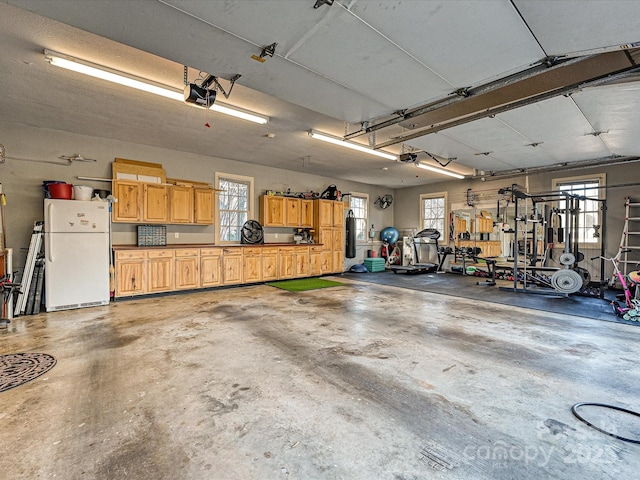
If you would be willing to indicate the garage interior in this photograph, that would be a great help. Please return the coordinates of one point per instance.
(400, 374)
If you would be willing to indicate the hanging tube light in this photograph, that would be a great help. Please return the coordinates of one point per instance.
(132, 81)
(354, 146)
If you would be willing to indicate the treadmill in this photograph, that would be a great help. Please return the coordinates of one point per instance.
(420, 267)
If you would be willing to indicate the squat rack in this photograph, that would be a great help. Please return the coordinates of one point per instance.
(571, 244)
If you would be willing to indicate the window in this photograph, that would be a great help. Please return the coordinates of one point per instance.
(433, 212)
(358, 202)
(235, 206)
(589, 214)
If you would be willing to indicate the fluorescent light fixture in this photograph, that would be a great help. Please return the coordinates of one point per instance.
(121, 78)
(354, 146)
(439, 170)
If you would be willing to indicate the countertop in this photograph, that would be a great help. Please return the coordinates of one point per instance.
(210, 245)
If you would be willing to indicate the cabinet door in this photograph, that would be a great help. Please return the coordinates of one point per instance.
(292, 212)
(338, 262)
(252, 268)
(326, 261)
(160, 274)
(155, 203)
(130, 277)
(302, 261)
(210, 271)
(128, 208)
(187, 272)
(286, 263)
(269, 267)
(325, 237)
(315, 262)
(271, 211)
(323, 213)
(306, 213)
(337, 244)
(204, 205)
(231, 266)
(338, 214)
(181, 204)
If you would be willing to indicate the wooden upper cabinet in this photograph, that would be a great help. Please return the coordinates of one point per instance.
(155, 203)
(272, 211)
(306, 213)
(204, 199)
(324, 213)
(128, 208)
(181, 202)
(292, 212)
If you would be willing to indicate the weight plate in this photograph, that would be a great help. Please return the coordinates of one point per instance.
(566, 281)
(567, 259)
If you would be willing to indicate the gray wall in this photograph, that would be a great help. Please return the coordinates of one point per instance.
(32, 156)
(407, 202)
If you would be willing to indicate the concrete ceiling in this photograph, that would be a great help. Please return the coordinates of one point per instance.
(336, 66)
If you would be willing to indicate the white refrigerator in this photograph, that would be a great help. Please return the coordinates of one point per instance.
(77, 253)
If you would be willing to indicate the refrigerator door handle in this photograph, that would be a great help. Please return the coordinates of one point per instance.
(47, 236)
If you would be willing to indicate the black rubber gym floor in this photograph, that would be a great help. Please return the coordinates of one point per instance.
(466, 286)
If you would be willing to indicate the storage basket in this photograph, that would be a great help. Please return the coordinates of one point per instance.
(152, 235)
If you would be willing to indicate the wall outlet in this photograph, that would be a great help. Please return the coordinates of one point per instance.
(275, 235)
(176, 235)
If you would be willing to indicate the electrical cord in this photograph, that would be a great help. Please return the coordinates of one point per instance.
(574, 410)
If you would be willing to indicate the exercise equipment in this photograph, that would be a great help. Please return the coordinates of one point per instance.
(389, 235)
(411, 262)
(350, 239)
(555, 281)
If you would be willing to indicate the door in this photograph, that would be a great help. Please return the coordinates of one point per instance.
(203, 210)
(210, 268)
(181, 204)
(338, 214)
(155, 203)
(76, 217)
(269, 266)
(160, 270)
(130, 276)
(272, 211)
(76, 270)
(128, 208)
(187, 273)
(306, 213)
(292, 212)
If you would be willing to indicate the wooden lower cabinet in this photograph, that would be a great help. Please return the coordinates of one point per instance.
(231, 266)
(187, 268)
(269, 264)
(160, 270)
(251, 265)
(131, 273)
(302, 261)
(142, 271)
(287, 263)
(315, 260)
(210, 267)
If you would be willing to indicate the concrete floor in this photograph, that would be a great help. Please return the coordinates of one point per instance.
(359, 381)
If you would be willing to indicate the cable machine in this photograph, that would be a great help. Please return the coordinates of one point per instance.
(558, 281)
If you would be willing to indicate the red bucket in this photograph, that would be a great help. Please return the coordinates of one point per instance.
(62, 191)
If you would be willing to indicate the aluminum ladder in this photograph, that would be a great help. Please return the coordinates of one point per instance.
(629, 251)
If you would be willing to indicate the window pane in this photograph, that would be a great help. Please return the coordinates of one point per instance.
(233, 206)
(433, 213)
(358, 206)
(589, 214)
